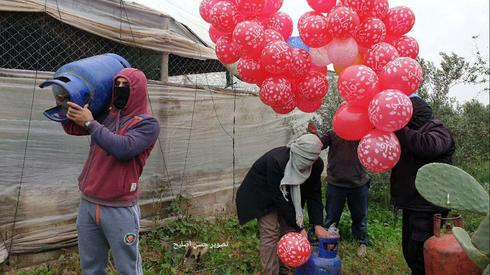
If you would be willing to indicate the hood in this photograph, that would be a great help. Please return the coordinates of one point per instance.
(422, 113)
(138, 92)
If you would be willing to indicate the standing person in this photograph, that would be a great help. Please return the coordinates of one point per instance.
(424, 140)
(275, 190)
(121, 141)
(347, 180)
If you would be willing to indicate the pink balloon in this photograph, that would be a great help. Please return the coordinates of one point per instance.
(319, 56)
(379, 151)
(342, 52)
(399, 21)
(390, 110)
(351, 122)
(250, 37)
(370, 32)
(224, 16)
(308, 106)
(205, 9)
(313, 86)
(282, 23)
(251, 8)
(403, 73)
(379, 55)
(284, 109)
(300, 63)
(272, 36)
(406, 46)
(215, 34)
(271, 7)
(313, 31)
(342, 22)
(276, 91)
(251, 71)
(276, 57)
(227, 51)
(321, 5)
(357, 85)
(368, 8)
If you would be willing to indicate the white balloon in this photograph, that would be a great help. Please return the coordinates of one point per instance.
(343, 52)
(319, 56)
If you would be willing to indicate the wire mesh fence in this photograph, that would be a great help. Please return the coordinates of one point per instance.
(37, 41)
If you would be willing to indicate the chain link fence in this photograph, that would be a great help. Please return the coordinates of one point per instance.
(36, 41)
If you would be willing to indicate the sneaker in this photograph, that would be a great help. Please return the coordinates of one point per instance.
(362, 251)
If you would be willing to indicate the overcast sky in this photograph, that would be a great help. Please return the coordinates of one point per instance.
(440, 26)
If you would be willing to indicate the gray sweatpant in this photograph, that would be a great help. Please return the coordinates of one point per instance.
(116, 228)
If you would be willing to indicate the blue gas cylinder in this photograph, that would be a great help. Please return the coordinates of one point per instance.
(324, 259)
(86, 81)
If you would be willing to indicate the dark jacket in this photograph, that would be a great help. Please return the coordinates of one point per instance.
(432, 142)
(259, 192)
(343, 167)
(121, 141)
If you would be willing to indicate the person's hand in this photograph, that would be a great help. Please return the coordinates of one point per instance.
(321, 232)
(78, 114)
(312, 128)
(304, 233)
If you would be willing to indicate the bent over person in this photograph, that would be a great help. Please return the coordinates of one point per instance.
(121, 141)
(275, 191)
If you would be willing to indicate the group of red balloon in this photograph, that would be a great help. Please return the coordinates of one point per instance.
(253, 33)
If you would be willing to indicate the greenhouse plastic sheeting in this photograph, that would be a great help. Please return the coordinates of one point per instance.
(121, 21)
(39, 163)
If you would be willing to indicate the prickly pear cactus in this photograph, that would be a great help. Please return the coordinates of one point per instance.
(477, 256)
(481, 236)
(450, 187)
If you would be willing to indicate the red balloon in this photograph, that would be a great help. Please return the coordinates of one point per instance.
(321, 69)
(293, 249)
(351, 122)
(399, 21)
(251, 71)
(205, 9)
(251, 8)
(276, 91)
(284, 109)
(342, 22)
(358, 84)
(249, 36)
(224, 16)
(276, 57)
(379, 151)
(404, 74)
(370, 32)
(282, 23)
(303, 17)
(272, 36)
(321, 5)
(390, 110)
(313, 31)
(271, 7)
(263, 21)
(300, 63)
(313, 86)
(406, 46)
(368, 8)
(227, 51)
(379, 55)
(215, 34)
(308, 106)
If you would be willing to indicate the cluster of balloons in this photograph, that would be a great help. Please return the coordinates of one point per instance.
(293, 249)
(367, 43)
(254, 33)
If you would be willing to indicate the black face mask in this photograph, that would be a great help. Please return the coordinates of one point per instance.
(121, 96)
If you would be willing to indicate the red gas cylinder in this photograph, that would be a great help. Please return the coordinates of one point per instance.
(444, 255)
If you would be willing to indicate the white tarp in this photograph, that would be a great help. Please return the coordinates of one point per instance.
(196, 141)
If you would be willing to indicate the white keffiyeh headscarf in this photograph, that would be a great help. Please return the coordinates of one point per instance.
(304, 152)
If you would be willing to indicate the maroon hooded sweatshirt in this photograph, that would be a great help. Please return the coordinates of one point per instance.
(121, 141)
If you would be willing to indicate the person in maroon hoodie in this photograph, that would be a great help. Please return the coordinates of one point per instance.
(121, 141)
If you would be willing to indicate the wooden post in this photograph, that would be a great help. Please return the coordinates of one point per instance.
(165, 56)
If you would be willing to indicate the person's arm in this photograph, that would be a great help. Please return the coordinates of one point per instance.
(125, 147)
(326, 138)
(285, 209)
(72, 128)
(427, 145)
